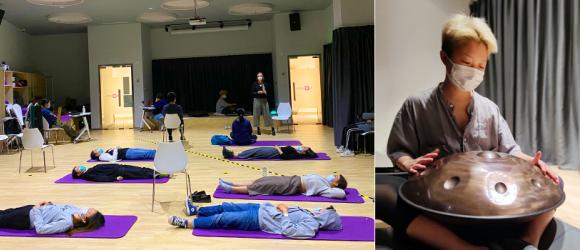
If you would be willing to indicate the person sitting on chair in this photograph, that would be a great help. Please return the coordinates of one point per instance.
(224, 107)
(284, 153)
(173, 108)
(53, 121)
(115, 154)
(242, 130)
(114, 172)
(159, 103)
(290, 221)
(48, 218)
(331, 186)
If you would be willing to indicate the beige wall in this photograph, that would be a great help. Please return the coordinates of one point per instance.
(407, 44)
(347, 13)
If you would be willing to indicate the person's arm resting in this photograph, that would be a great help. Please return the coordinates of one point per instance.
(334, 193)
(305, 229)
(108, 157)
(41, 227)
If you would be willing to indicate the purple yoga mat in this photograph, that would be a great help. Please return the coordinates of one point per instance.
(352, 196)
(321, 157)
(354, 228)
(142, 160)
(67, 179)
(116, 226)
(272, 143)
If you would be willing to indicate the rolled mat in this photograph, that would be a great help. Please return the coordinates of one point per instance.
(272, 143)
(67, 179)
(140, 160)
(354, 228)
(352, 196)
(320, 157)
(116, 226)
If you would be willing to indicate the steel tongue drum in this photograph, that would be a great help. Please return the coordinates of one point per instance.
(482, 186)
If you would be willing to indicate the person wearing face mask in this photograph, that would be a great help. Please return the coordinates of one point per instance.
(114, 172)
(222, 106)
(48, 218)
(52, 120)
(291, 221)
(261, 108)
(284, 153)
(115, 154)
(448, 119)
(331, 186)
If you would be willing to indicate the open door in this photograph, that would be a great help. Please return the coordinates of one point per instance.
(116, 83)
(305, 89)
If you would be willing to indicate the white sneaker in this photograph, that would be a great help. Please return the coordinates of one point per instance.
(347, 153)
(340, 149)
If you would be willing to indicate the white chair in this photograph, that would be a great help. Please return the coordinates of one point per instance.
(3, 143)
(171, 121)
(284, 113)
(15, 138)
(48, 131)
(170, 158)
(32, 140)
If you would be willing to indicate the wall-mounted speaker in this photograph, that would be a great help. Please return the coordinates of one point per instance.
(294, 21)
(1, 15)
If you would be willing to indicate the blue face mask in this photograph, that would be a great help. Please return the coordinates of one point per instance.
(100, 151)
(317, 210)
(330, 178)
(82, 168)
(299, 148)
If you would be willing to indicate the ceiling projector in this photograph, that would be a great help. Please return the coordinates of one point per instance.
(197, 21)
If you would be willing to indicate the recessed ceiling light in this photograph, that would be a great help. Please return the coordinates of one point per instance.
(250, 9)
(183, 4)
(56, 3)
(156, 17)
(70, 18)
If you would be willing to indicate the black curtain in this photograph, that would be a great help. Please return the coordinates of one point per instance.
(534, 77)
(327, 96)
(352, 75)
(198, 80)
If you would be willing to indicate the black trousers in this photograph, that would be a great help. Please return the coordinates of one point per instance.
(170, 132)
(16, 218)
(137, 173)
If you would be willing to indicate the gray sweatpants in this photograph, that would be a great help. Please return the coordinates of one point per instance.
(261, 108)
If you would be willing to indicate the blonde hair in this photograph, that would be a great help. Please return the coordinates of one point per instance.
(462, 28)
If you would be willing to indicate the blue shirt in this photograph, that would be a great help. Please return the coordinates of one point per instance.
(242, 132)
(49, 116)
(53, 219)
(318, 185)
(159, 106)
(299, 224)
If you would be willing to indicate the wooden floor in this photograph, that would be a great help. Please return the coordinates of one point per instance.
(151, 230)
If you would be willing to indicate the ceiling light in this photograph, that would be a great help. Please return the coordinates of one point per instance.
(70, 18)
(56, 3)
(183, 4)
(250, 9)
(156, 17)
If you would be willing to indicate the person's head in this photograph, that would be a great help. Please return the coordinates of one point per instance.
(77, 171)
(45, 103)
(305, 150)
(223, 93)
(158, 97)
(327, 218)
(96, 153)
(466, 45)
(87, 222)
(171, 97)
(260, 77)
(337, 180)
(241, 112)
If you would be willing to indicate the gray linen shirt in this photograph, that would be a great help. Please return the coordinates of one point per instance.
(425, 122)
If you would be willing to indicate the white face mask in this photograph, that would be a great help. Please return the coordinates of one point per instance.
(224, 96)
(260, 78)
(465, 77)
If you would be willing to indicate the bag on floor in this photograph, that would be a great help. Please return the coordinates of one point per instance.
(11, 126)
(223, 140)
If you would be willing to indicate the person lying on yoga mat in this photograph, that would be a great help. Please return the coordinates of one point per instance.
(114, 172)
(242, 130)
(284, 153)
(290, 221)
(331, 186)
(115, 154)
(48, 218)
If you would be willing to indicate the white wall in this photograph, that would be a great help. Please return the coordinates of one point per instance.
(64, 57)
(407, 45)
(147, 65)
(115, 44)
(349, 13)
(14, 47)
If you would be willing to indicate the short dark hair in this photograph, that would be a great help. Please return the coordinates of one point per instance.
(310, 153)
(342, 184)
(171, 96)
(94, 155)
(159, 95)
(43, 102)
(74, 174)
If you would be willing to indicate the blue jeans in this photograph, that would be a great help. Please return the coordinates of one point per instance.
(229, 216)
(158, 118)
(140, 154)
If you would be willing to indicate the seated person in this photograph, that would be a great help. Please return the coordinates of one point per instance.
(48, 218)
(222, 106)
(114, 172)
(159, 103)
(284, 153)
(293, 222)
(52, 119)
(173, 108)
(242, 130)
(331, 186)
(115, 154)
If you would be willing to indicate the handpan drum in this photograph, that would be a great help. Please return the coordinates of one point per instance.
(480, 187)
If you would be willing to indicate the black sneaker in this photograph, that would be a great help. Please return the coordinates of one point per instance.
(227, 153)
(201, 198)
(258, 131)
(273, 131)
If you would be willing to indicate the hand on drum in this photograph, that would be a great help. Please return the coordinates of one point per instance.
(416, 166)
(544, 168)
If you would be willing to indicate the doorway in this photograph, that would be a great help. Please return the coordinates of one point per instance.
(305, 90)
(116, 86)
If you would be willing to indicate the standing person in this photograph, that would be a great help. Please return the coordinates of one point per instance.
(261, 103)
(159, 103)
(173, 108)
(242, 130)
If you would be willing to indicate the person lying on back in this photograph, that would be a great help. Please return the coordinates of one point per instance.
(114, 172)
